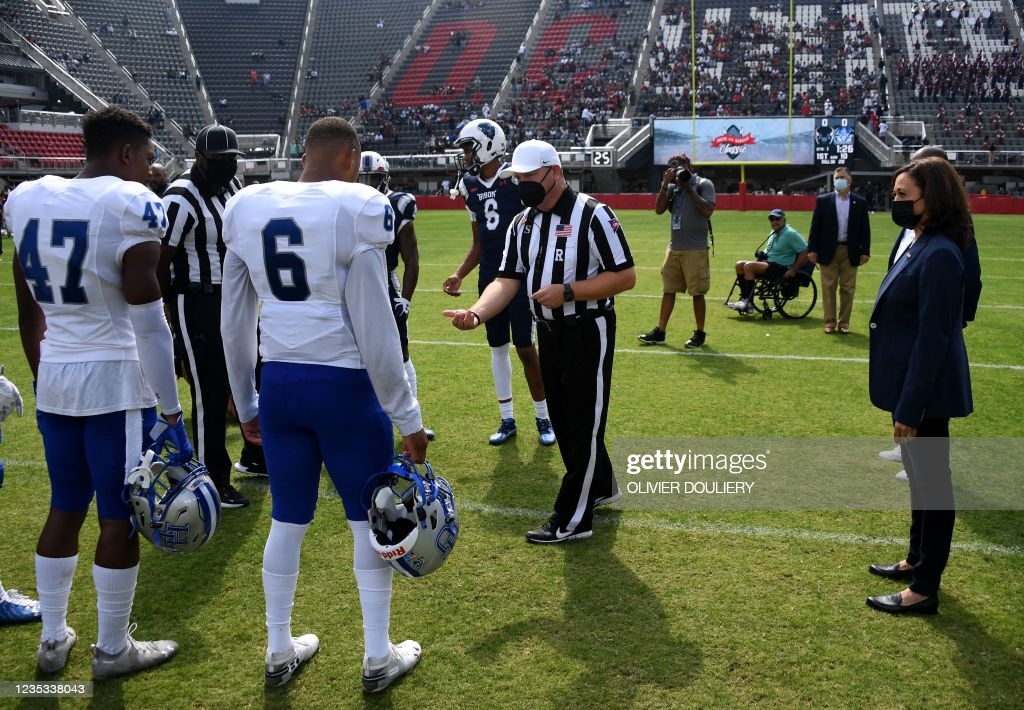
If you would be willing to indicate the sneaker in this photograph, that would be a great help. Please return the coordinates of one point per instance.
(135, 656)
(282, 666)
(402, 659)
(547, 434)
(609, 499)
(902, 476)
(551, 532)
(430, 434)
(231, 498)
(506, 430)
(655, 336)
(743, 305)
(252, 468)
(699, 336)
(892, 455)
(16, 608)
(52, 656)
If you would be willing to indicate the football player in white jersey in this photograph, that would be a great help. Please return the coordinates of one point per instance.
(308, 257)
(93, 329)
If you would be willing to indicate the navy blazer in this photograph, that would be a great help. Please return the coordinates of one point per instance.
(824, 234)
(918, 360)
(972, 276)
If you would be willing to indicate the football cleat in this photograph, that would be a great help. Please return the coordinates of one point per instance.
(506, 430)
(135, 656)
(546, 432)
(16, 608)
(413, 522)
(282, 666)
(52, 656)
(402, 658)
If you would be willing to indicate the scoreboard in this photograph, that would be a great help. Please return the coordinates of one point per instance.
(833, 140)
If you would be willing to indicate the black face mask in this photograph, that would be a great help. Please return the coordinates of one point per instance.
(903, 214)
(531, 193)
(220, 172)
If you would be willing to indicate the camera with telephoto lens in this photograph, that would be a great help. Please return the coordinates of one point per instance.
(760, 255)
(683, 175)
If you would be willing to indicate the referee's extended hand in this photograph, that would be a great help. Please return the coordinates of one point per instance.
(463, 320)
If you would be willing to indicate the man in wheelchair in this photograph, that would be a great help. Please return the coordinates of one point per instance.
(783, 257)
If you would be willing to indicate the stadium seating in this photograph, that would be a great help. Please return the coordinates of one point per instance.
(144, 47)
(232, 42)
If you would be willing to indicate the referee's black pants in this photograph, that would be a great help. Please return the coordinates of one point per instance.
(576, 358)
(195, 317)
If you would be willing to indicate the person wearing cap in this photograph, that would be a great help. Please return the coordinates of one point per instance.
(839, 242)
(686, 268)
(783, 256)
(571, 252)
(190, 276)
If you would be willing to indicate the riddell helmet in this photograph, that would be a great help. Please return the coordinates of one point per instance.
(487, 141)
(413, 523)
(374, 170)
(174, 507)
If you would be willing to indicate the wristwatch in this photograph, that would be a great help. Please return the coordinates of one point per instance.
(569, 295)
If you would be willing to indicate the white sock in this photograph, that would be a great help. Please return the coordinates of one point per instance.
(3, 592)
(501, 368)
(115, 592)
(410, 372)
(54, 576)
(280, 577)
(541, 408)
(373, 578)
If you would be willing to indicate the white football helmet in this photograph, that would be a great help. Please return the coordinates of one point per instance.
(413, 523)
(486, 139)
(374, 170)
(174, 507)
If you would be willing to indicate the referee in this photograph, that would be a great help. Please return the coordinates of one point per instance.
(572, 253)
(190, 273)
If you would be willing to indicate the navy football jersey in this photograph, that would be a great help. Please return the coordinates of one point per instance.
(404, 206)
(492, 205)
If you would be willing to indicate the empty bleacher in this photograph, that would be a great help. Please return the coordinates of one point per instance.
(232, 42)
(140, 33)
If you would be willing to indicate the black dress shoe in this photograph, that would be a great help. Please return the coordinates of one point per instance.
(893, 571)
(893, 604)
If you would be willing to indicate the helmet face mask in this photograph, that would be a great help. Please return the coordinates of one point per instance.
(413, 522)
(486, 140)
(176, 508)
(375, 171)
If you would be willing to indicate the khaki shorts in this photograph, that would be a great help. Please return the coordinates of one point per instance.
(686, 271)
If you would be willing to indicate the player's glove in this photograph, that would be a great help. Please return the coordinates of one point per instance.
(174, 441)
(10, 398)
(401, 306)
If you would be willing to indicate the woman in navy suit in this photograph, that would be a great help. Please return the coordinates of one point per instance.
(918, 367)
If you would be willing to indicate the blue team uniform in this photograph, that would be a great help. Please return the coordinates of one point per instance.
(492, 205)
(404, 206)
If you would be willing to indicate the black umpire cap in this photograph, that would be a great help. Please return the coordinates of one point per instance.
(217, 140)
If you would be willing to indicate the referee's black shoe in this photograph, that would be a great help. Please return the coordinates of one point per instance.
(230, 497)
(551, 532)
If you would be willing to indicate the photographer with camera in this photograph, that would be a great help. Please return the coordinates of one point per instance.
(785, 253)
(686, 269)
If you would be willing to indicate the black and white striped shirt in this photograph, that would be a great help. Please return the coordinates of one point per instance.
(577, 240)
(194, 223)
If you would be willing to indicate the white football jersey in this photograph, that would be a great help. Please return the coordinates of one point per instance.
(71, 236)
(313, 256)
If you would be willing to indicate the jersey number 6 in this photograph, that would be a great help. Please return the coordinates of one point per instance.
(286, 271)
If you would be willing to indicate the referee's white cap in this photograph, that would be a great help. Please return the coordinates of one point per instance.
(530, 156)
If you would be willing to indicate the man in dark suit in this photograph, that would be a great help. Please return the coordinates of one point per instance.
(839, 242)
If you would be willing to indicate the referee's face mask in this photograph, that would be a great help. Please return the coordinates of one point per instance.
(532, 192)
(219, 169)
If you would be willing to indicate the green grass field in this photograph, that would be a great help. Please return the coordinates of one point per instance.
(659, 608)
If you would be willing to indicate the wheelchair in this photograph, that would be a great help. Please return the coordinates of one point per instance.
(792, 298)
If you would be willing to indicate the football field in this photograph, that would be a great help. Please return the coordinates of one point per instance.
(662, 608)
